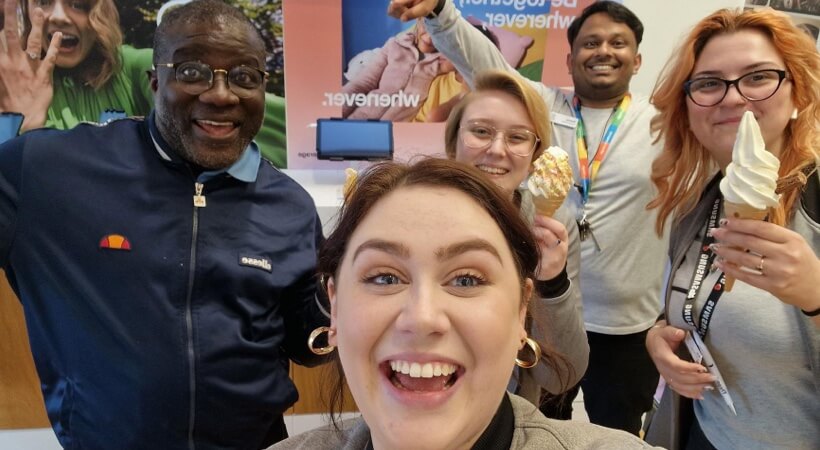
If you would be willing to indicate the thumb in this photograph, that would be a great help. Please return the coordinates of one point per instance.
(673, 334)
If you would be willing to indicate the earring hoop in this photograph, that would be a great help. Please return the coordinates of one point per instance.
(536, 350)
(321, 350)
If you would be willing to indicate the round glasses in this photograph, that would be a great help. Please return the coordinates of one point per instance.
(479, 136)
(754, 86)
(196, 77)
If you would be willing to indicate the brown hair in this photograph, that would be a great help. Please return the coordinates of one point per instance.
(104, 59)
(513, 84)
(684, 166)
(382, 179)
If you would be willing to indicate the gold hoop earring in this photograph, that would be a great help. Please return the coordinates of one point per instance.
(536, 350)
(314, 334)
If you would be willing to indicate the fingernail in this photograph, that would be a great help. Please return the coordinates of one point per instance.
(714, 246)
(709, 231)
(724, 222)
(709, 388)
(703, 370)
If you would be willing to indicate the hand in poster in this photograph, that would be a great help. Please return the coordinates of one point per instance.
(406, 10)
(25, 76)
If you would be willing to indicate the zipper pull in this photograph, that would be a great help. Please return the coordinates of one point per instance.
(199, 199)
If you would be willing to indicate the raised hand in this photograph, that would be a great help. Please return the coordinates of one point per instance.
(25, 75)
(406, 10)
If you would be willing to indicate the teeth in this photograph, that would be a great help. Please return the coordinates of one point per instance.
(492, 170)
(215, 123)
(425, 370)
(602, 67)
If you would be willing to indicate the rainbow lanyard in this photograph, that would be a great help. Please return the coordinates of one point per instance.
(581, 141)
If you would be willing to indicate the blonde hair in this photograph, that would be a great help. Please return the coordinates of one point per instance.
(513, 84)
(684, 166)
(104, 59)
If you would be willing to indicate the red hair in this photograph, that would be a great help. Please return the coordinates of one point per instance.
(684, 166)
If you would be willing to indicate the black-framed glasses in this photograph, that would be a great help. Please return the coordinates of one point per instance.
(479, 136)
(754, 86)
(197, 77)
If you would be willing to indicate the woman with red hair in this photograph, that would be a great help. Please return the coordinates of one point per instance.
(762, 335)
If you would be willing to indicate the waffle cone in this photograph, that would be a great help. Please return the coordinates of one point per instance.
(547, 206)
(740, 211)
(743, 211)
(729, 283)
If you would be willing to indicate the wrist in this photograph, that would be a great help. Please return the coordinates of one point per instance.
(437, 10)
(555, 286)
(32, 121)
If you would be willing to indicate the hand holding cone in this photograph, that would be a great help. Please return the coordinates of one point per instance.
(751, 178)
(550, 181)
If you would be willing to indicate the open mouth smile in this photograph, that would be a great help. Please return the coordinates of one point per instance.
(492, 170)
(422, 377)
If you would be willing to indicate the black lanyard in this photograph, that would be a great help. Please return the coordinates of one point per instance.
(702, 268)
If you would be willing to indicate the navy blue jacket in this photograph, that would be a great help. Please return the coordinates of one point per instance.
(155, 323)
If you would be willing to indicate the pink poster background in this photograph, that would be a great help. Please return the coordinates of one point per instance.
(313, 51)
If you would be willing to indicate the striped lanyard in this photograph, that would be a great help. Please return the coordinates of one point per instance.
(581, 142)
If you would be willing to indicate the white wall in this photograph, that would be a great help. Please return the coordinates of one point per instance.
(665, 23)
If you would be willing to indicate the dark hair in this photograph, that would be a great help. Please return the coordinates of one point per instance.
(382, 179)
(616, 11)
(197, 11)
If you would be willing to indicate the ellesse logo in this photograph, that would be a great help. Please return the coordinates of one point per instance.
(115, 242)
(255, 261)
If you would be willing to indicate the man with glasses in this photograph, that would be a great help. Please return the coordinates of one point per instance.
(166, 270)
(605, 130)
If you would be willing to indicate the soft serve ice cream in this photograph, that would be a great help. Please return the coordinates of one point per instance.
(749, 184)
(550, 181)
(751, 178)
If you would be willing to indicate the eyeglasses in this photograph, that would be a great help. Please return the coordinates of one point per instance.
(196, 77)
(754, 86)
(479, 136)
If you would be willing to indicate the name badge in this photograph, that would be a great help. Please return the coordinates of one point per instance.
(564, 120)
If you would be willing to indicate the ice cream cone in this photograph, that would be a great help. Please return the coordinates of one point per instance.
(740, 211)
(547, 206)
(550, 181)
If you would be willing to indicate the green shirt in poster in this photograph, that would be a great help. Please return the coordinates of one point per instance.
(129, 90)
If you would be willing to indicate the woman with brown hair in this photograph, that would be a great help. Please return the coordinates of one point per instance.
(429, 273)
(763, 334)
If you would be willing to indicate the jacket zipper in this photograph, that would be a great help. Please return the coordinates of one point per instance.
(199, 202)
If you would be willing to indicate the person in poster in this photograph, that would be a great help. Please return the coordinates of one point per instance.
(92, 75)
